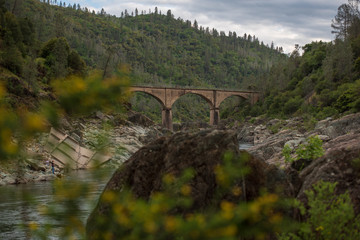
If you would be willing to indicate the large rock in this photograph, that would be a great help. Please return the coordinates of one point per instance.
(140, 119)
(338, 127)
(35, 165)
(270, 150)
(202, 151)
(341, 164)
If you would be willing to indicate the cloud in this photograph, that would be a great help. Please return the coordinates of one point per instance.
(284, 22)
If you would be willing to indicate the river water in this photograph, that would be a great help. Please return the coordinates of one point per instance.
(19, 203)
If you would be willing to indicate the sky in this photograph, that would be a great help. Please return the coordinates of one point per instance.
(283, 22)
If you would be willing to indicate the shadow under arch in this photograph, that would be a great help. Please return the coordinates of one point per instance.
(233, 105)
(147, 104)
(191, 107)
(150, 94)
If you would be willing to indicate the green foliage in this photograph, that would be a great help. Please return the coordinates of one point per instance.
(321, 83)
(60, 60)
(76, 64)
(161, 50)
(292, 105)
(287, 154)
(92, 93)
(328, 216)
(311, 150)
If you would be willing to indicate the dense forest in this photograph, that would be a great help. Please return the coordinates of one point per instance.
(49, 36)
(321, 82)
(46, 40)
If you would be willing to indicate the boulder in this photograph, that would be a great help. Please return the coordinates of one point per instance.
(261, 133)
(338, 127)
(46, 177)
(201, 151)
(246, 134)
(341, 164)
(35, 165)
(270, 149)
(140, 119)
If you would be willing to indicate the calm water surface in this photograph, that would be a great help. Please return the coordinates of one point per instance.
(16, 208)
(243, 146)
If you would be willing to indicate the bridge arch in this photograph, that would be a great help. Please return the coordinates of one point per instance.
(168, 96)
(153, 96)
(233, 105)
(191, 106)
(223, 96)
(192, 93)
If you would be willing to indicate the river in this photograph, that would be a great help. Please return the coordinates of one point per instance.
(19, 203)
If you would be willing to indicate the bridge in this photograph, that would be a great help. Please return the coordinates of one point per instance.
(168, 96)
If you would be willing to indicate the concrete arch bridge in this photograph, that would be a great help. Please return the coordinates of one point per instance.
(168, 96)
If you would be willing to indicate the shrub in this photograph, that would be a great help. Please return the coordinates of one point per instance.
(292, 105)
(327, 217)
(309, 151)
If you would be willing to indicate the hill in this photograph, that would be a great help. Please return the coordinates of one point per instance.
(159, 49)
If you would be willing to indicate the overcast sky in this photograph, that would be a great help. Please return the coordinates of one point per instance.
(284, 22)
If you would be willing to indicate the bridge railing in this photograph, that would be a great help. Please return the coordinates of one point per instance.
(173, 86)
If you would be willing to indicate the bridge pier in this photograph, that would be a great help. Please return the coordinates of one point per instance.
(167, 118)
(214, 116)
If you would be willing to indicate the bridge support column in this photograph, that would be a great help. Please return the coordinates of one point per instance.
(167, 118)
(214, 116)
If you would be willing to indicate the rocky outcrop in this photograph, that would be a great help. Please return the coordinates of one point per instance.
(140, 119)
(201, 151)
(335, 128)
(270, 149)
(25, 174)
(269, 138)
(341, 164)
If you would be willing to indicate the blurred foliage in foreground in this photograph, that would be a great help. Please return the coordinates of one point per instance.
(168, 214)
(75, 95)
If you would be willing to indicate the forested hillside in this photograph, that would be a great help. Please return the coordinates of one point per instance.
(321, 82)
(159, 49)
(46, 40)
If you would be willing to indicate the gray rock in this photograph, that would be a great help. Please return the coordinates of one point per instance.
(339, 164)
(35, 165)
(46, 177)
(100, 115)
(338, 127)
(294, 143)
(273, 122)
(9, 180)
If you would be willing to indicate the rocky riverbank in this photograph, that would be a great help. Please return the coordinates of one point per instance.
(203, 150)
(340, 163)
(269, 138)
(119, 137)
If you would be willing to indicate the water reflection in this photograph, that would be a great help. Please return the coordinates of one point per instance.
(244, 146)
(19, 204)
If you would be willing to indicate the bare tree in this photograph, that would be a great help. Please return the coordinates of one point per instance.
(347, 14)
